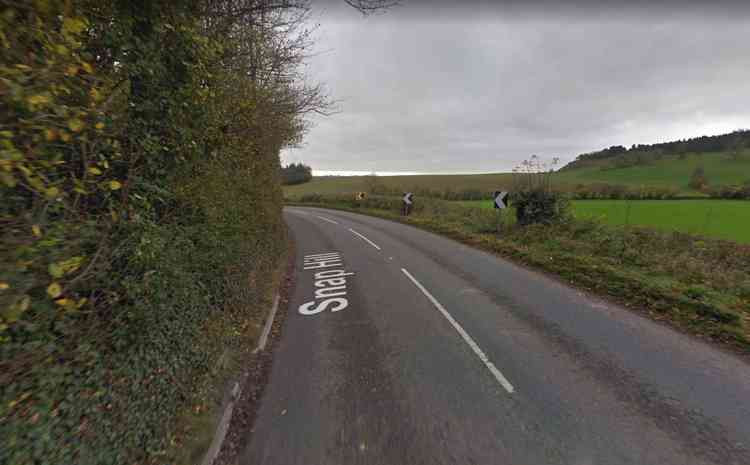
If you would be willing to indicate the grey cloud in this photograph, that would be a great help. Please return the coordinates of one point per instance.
(424, 90)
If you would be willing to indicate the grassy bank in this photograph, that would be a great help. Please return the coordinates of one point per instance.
(699, 285)
(722, 219)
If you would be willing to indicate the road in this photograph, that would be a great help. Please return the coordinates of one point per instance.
(420, 350)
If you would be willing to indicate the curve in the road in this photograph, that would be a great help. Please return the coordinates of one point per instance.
(401, 345)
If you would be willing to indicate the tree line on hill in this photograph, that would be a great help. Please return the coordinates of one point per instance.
(620, 157)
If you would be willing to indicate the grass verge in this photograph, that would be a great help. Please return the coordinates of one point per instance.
(701, 286)
(719, 218)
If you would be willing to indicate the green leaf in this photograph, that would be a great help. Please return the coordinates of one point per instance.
(13, 312)
(75, 125)
(7, 179)
(38, 99)
(73, 25)
(54, 290)
(55, 270)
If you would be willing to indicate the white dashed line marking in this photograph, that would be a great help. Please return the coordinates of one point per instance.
(491, 366)
(326, 219)
(365, 239)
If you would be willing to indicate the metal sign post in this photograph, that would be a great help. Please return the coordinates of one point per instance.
(408, 200)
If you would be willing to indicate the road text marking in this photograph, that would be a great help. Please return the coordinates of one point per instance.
(326, 219)
(329, 285)
(365, 239)
(491, 366)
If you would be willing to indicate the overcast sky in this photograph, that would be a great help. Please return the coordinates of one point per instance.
(478, 88)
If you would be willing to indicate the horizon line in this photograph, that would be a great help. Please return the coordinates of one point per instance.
(323, 173)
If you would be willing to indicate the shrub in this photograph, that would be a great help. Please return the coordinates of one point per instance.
(311, 198)
(730, 192)
(533, 197)
(618, 191)
(539, 206)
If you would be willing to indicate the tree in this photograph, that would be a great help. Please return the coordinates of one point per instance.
(735, 146)
(371, 6)
(295, 173)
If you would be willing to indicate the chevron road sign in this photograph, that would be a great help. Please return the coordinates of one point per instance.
(499, 197)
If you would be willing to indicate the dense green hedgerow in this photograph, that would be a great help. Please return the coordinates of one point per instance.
(140, 218)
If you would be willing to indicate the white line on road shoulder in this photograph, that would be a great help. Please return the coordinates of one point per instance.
(326, 219)
(493, 369)
(267, 328)
(366, 239)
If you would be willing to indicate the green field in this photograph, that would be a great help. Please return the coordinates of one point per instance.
(724, 219)
(721, 169)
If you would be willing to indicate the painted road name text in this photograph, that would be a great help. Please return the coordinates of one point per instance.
(329, 284)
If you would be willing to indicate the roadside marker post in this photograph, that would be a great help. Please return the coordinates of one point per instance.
(501, 204)
(408, 200)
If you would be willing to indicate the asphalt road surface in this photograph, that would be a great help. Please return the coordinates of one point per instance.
(431, 352)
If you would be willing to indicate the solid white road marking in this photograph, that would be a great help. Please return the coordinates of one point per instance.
(326, 219)
(366, 239)
(493, 369)
(267, 328)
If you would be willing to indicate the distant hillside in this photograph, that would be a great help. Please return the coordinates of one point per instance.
(617, 156)
(725, 160)
(666, 171)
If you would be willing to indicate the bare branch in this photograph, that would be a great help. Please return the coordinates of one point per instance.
(367, 7)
